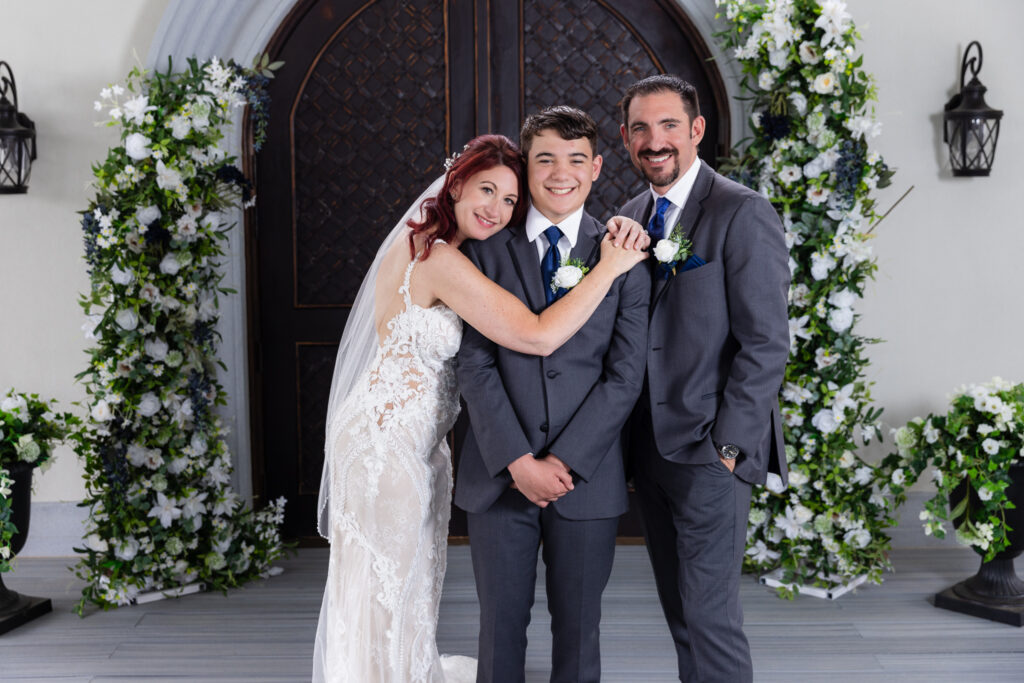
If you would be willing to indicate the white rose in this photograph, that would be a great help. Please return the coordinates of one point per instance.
(180, 127)
(127, 549)
(136, 146)
(156, 349)
(858, 538)
(802, 514)
(198, 444)
(809, 53)
(94, 542)
(825, 421)
(101, 412)
(169, 265)
(13, 404)
(127, 319)
(799, 101)
(149, 404)
(774, 483)
(844, 298)
(145, 215)
(567, 277)
(824, 84)
(797, 477)
(840, 319)
(847, 459)
(121, 277)
(665, 250)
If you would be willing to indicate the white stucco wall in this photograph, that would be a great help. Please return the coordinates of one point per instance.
(62, 53)
(945, 298)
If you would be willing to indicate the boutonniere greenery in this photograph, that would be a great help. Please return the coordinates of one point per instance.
(568, 274)
(672, 251)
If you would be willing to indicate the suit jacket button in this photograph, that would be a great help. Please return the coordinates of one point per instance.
(655, 348)
(544, 427)
(553, 374)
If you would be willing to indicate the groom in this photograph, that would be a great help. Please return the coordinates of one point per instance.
(542, 460)
(707, 425)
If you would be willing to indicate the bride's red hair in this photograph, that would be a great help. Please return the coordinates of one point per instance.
(481, 153)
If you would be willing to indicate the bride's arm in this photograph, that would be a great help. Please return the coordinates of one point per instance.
(503, 318)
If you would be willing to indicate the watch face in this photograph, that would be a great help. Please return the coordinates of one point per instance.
(730, 451)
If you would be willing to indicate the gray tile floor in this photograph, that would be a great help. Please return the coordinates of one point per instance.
(264, 632)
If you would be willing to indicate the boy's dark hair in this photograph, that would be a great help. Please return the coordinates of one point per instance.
(661, 83)
(569, 122)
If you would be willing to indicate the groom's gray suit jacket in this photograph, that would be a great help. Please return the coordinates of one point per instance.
(719, 333)
(572, 403)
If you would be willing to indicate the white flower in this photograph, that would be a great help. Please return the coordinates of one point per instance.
(862, 476)
(794, 393)
(14, 404)
(156, 349)
(180, 126)
(802, 514)
(821, 265)
(136, 108)
(985, 493)
(799, 101)
(816, 196)
(774, 483)
(94, 542)
(665, 250)
(198, 444)
(136, 146)
(824, 84)
(842, 298)
(167, 178)
(790, 174)
(149, 404)
(798, 329)
(193, 505)
(150, 292)
(800, 295)
(165, 510)
(857, 538)
(840, 319)
(566, 277)
(136, 455)
(797, 477)
(898, 476)
(127, 319)
(847, 459)
(760, 553)
(930, 432)
(809, 53)
(169, 265)
(126, 549)
(990, 446)
(207, 306)
(863, 127)
(27, 448)
(766, 81)
(121, 277)
(834, 21)
(145, 215)
(826, 421)
(101, 412)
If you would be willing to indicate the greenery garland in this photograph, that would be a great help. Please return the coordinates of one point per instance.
(809, 155)
(157, 470)
(29, 430)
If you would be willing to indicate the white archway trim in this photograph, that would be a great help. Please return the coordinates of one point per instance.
(239, 30)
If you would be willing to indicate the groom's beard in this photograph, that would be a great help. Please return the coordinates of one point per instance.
(665, 177)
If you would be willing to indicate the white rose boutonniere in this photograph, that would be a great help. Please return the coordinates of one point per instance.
(568, 275)
(671, 251)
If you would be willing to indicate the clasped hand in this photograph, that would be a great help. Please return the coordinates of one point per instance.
(541, 480)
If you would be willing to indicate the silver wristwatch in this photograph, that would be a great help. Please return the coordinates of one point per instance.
(728, 451)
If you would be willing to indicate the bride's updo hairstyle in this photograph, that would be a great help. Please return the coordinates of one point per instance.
(479, 154)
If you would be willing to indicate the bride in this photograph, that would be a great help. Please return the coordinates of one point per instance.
(386, 489)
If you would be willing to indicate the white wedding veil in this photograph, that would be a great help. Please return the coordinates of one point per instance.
(357, 349)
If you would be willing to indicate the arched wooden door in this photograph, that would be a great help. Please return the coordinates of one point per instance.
(374, 95)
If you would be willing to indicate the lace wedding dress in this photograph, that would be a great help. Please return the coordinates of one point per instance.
(390, 493)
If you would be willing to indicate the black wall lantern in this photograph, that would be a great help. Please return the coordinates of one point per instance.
(971, 128)
(17, 138)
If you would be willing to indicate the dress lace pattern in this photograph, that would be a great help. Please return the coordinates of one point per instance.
(391, 483)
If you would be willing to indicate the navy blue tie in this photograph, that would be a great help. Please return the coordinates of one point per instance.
(656, 228)
(552, 261)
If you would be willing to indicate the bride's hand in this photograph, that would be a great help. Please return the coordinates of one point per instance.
(620, 259)
(628, 233)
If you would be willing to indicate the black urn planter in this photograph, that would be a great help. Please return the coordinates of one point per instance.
(995, 592)
(16, 609)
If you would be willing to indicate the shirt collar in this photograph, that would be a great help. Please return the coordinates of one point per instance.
(680, 191)
(537, 223)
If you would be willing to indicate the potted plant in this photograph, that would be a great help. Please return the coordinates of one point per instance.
(975, 454)
(29, 430)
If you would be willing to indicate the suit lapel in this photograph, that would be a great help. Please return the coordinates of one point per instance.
(527, 265)
(588, 241)
(690, 217)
